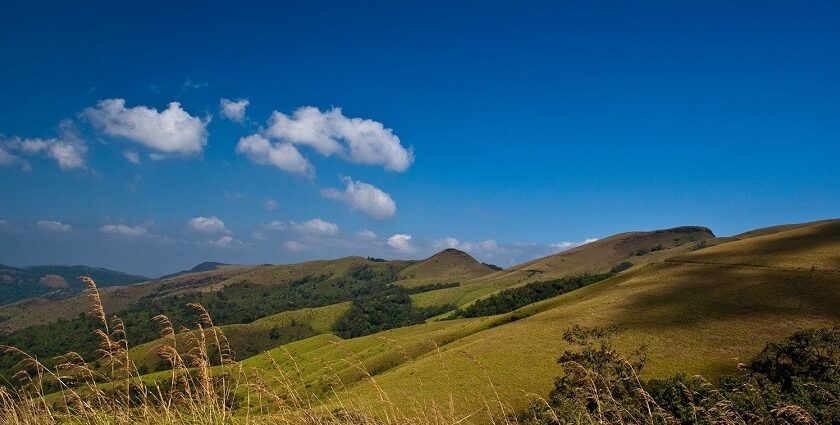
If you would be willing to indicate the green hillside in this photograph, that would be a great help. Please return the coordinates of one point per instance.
(699, 304)
(698, 312)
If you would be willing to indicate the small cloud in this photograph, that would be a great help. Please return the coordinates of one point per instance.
(281, 155)
(233, 110)
(272, 226)
(68, 149)
(132, 156)
(125, 230)
(366, 235)
(401, 243)
(294, 246)
(227, 241)
(233, 196)
(270, 204)
(316, 226)
(170, 132)
(192, 85)
(363, 197)
(207, 224)
(562, 246)
(7, 158)
(53, 226)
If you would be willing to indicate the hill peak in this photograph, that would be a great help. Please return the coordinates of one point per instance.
(448, 263)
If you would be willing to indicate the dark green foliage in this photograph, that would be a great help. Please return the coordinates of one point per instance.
(492, 266)
(794, 381)
(802, 370)
(514, 298)
(387, 309)
(376, 260)
(431, 287)
(240, 303)
(657, 247)
(618, 268)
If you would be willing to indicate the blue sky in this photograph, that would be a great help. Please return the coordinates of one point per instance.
(505, 130)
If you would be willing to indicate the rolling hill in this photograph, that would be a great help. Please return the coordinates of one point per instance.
(698, 303)
(55, 282)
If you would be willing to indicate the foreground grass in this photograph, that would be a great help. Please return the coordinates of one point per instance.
(206, 386)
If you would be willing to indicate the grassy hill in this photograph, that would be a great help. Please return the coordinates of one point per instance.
(699, 304)
(595, 257)
(697, 312)
(56, 282)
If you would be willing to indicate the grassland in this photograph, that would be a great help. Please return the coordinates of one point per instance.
(699, 305)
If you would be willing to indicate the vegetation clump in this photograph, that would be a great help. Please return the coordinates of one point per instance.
(795, 381)
(511, 299)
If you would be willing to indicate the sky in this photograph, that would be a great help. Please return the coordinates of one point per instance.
(150, 137)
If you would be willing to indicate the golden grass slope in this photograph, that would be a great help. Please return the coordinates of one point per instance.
(449, 265)
(699, 312)
(594, 257)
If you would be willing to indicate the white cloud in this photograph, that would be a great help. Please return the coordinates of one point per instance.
(367, 235)
(132, 156)
(316, 226)
(364, 197)
(561, 246)
(53, 226)
(7, 158)
(193, 85)
(233, 110)
(294, 246)
(172, 131)
(124, 230)
(68, 154)
(281, 155)
(207, 224)
(401, 243)
(362, 141)
(226, 241)
(488, 246)
(270, 204)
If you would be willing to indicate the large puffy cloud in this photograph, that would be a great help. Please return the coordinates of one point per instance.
(281, 155)
(210, 224)
(233, 110)
(402, 243)
(364, 197)
(359, 140)
(124, 230)
(172, 131)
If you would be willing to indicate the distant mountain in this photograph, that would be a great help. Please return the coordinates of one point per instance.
(56, 282)
(203, 267)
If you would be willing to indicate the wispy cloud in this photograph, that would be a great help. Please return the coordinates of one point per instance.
(53, 226)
